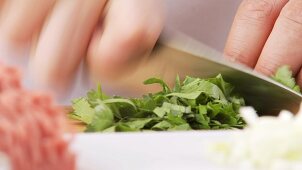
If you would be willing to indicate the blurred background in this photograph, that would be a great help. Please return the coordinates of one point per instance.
(207, 21)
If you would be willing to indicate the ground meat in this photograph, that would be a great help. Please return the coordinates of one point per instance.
(9, 78)
(31, 127)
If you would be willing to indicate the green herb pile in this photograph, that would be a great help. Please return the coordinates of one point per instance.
(192, 104)
(284, 76)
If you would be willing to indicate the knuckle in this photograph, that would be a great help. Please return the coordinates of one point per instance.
(143, 34)
(142, 30)
(238, 56)
(292, 12)
(264, 70)
(135, 35)
(268, 64)
(257, 9)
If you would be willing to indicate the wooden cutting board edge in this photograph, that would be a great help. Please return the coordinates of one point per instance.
(73, 126)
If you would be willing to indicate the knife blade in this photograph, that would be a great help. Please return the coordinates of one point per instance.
(177, 54)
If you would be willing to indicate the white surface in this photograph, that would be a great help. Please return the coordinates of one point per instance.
(4, 162)
(147, 151)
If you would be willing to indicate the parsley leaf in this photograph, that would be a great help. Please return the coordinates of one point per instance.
(284, 76)
(82, 110)
(102, 119)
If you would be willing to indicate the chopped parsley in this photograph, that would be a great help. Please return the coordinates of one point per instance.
(193, 104)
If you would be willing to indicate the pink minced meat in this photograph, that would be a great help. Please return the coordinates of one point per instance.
(31, 127)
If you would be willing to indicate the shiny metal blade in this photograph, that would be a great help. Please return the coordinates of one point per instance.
(177, 54)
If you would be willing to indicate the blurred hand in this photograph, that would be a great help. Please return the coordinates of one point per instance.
(110, 33)
(267, 34)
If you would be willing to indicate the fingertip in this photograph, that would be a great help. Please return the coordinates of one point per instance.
(63, 42)
(265, 70)
(268, 65)
(119, 47)
(299, 79)
(112, 55)
(239, 56)
(19, 21)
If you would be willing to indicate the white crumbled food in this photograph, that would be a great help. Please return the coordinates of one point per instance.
(267, 143)
(4, 162)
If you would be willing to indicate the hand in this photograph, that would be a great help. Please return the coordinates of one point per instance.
(110, 33)
(267, 34)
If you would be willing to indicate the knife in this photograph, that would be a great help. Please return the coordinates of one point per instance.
(177, 54)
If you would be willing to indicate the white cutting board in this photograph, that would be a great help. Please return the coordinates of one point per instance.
(147, 150)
